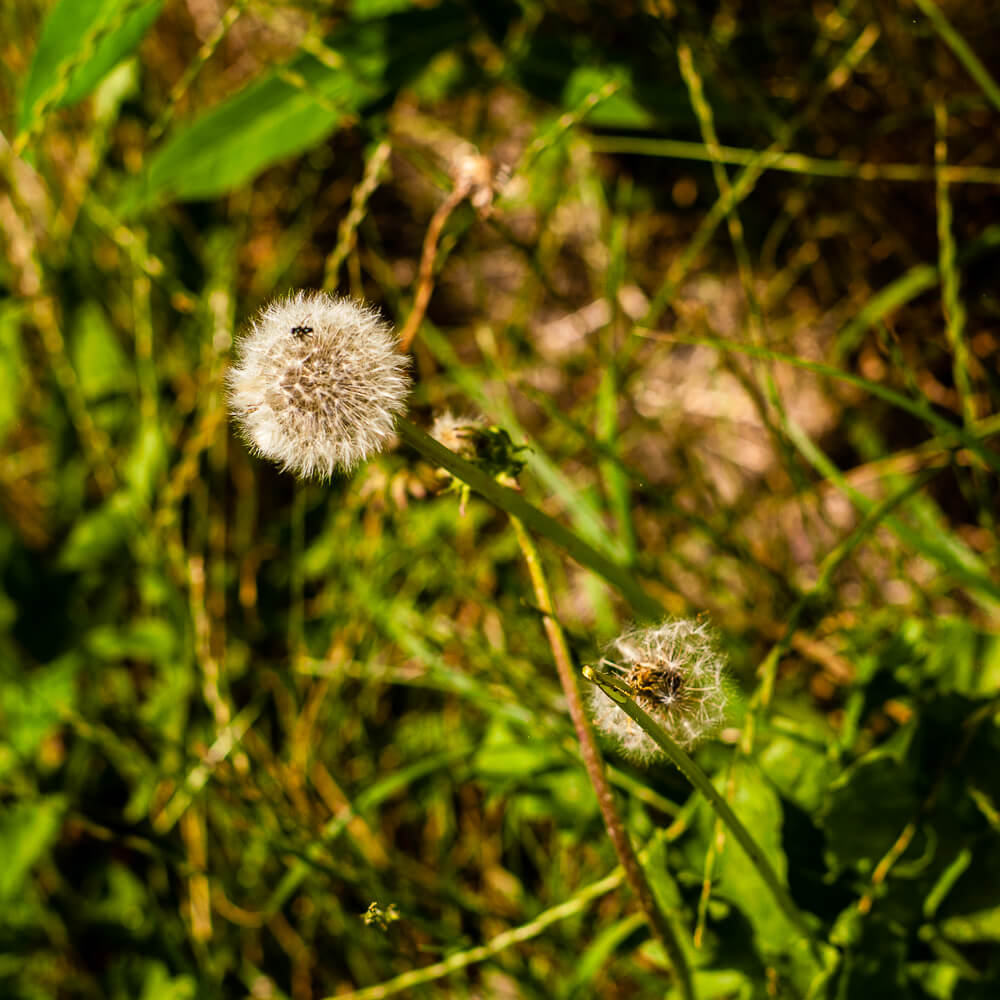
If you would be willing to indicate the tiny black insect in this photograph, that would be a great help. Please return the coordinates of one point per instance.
(301, 331)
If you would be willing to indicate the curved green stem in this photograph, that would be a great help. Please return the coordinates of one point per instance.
(620, 694)
(513, 503)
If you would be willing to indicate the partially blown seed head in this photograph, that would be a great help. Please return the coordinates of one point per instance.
(318, 383)
(676, 673)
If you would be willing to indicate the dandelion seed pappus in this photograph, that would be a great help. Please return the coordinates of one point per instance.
(675, 673)
(317, 383)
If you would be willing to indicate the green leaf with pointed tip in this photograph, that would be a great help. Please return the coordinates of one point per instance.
(161, 985)
(32, 705)
(27, 829)
(81, 42)
(101, 365)
(295, 107)
(99, 533)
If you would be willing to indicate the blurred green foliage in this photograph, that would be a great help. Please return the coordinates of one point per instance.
(237, 711)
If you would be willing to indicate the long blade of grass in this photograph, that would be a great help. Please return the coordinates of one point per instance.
(916, 408)
(744, 184)
(371, 797)
(954, 310)
(963, 53)
(791, 163)
(946, 551)
(582, 510)
(463, 959)
(907, 287)
(513, 503)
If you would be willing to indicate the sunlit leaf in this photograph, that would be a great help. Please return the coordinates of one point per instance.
(293, 108)
(27, 829)
(81, 42)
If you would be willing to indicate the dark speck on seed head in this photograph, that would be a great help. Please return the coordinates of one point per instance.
(301, 331)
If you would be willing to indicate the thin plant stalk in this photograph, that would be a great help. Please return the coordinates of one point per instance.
(591, 755)
(513, 503)
(619, 693)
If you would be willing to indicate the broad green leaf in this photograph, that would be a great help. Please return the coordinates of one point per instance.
(160, 985)
(547, 786)
(736, 879)
(981, 926)
(144, 466)
(120, 84)
(81, 42)
(293, 108)
(938, 980)
(799, 770)
(599, 952)
(99, 359)
(151, 640)
(124, 899)
(368, 10)
(98, 533)
(620, 110)
(27, 830)
(867, 807)
(31, 706)
(515, 760)
(720, 984)
(567, 68)
(873, 956)
(959, 657)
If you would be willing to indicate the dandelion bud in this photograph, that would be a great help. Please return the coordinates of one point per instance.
(676, 674)
(318, 383)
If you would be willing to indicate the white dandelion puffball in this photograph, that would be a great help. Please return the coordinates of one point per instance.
(318, 383)
(676, 673)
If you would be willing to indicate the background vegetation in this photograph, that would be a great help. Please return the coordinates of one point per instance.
(729, 271)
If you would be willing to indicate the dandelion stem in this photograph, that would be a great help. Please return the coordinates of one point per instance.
(619, 693)
(426, 275)
(514, 504)
(591, 755)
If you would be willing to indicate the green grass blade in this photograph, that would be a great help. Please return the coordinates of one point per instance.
(962, 51)
(513, 503)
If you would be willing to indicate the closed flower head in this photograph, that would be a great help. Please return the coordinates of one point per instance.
(676, 673)
(318, 383)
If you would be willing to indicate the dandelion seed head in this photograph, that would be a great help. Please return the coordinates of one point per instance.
(676, 673)
(317, 384)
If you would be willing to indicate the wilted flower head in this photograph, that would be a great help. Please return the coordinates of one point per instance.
(318, 383)
(458, 434)
(676, 673)
(489, 447)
